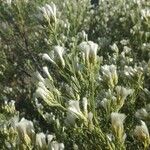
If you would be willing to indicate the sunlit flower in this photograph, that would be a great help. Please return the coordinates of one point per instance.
(141, 113)
(41, 140)
(89, 49)
(56, 146)
(104, 103)
(145, 13)
(74, 112)
(47, 58)
(141, 132)
(25, 130)
(56, 56)
(85, 104)
(50, 138)
(39, 77)
(49, 12)
(9, 2)
(59, 51)
(129, 71)
(117, 120)
(110, 74)
(122, 92)
(45, 69)
(75, 108)
(114, 47)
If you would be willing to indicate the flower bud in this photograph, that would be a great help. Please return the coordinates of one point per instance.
(59, 51)
(85, 104)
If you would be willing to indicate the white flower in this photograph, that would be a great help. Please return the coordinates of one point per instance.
(83, 35)
(110, 137)
(110, 74)
(145, 13)
(25, 130)
(14, 121)
(129, 71)
(49, 138)
(141, 113)
(117, 120)
(85, 104)
(114, 47)
(90, 117)
(56, 56)
(40, 140)
(9, 2)
(74, 112)
(89, 49)
(40, 92)
(104, 103)
(45, 69)
(141, 132)
(59, 51)
(74, 108)
(49, 12)
(122, 92)
(39, 76)
(47, 57)
(45, 94)
(57, 146)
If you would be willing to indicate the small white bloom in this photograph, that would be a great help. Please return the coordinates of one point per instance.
(114, 47)
(74, 112)
(57, 146)
(89, 49)
(49, 12)
(145, 13)
(39, 76)
(129, 71)
(85, 104)
(56, 56)
(59, 51)
(110, 137)
(49, 138)
(110, 74)
(74, 108)
(40, 92)
(9, 2)
(14, 121)
(25, 130)
(47, 57)
(117, 119)
(123, 92)
(104, 103)
(40, 140)
(45, 69)
(141, 113)
(141, 132)
(90, 117)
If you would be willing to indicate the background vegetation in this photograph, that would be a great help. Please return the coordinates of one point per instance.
(79, 74)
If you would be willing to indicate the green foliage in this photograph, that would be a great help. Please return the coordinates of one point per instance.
(79, 74)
